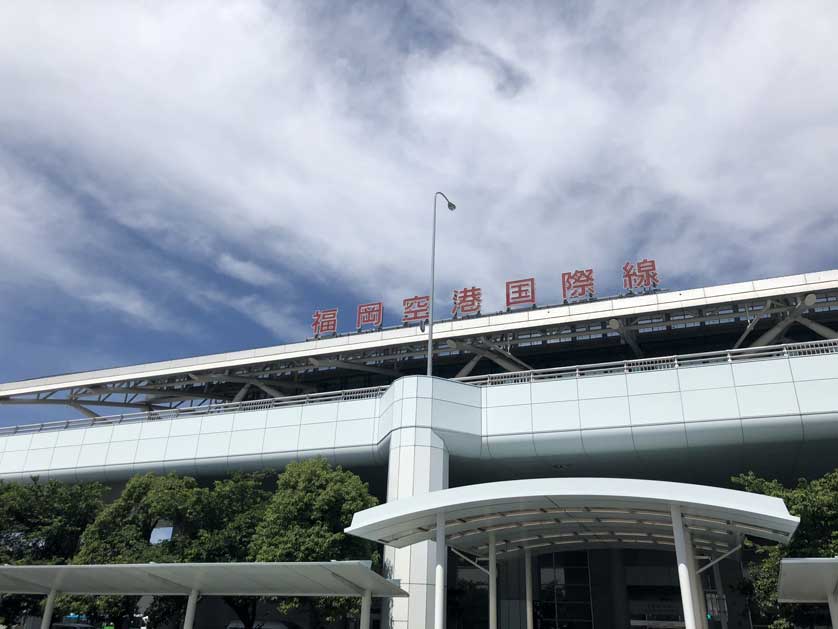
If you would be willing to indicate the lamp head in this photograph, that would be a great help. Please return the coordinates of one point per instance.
(451, 206)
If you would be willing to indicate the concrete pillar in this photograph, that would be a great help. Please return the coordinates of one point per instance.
(439, 573)
(493, 582)
(528, 587)
(191, 607)
(418, 464)
(366, 608)
(833, 610)
(682, 556)
(49, 606)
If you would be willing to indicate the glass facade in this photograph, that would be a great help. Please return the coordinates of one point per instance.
(562, 596)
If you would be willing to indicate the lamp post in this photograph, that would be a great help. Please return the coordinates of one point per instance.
(451, 207)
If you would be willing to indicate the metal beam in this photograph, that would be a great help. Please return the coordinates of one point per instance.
(803, 304)
(506, 353)
(469, 367)
(629, 336)
(818, 328)
(343, 364)
(256, 382)
(474, 349)
(33, 401)
(84, 410)
(752, 323)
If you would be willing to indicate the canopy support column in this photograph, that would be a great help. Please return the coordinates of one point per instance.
(439, 573)
(191, 606)
(49, 606)
(833, 608)
(682, 556)
(366, 607)
(528, 582)
(493, 582)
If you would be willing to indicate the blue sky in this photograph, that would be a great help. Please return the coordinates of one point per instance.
(182, 178)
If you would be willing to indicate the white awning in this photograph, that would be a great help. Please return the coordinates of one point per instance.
(809, 580)
(335, 578)
(571, 513)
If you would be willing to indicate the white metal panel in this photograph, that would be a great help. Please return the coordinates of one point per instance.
(818, 396)
(248, 442)
(554, 390)
(285, 416)
(604, 413)
(662, 381)
(217, 422)
(149, 450)
(710, 404)
(602, 386)
(767, 399)
(508, 395)
(553, 416)
(250, 420)
(211, 445)
(814, 367)
(44, 439)
(282, 439)
(705, 377)
(761, 372)
(656, 408)
(121, 452)
(505, 420)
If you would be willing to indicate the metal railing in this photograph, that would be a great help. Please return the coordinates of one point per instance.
(793, 350)
(209, 409)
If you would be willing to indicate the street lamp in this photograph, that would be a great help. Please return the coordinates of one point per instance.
(451, 207)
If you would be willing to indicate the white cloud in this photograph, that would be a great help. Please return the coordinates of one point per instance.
(313, 135)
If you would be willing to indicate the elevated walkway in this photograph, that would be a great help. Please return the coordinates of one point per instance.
(783, 396)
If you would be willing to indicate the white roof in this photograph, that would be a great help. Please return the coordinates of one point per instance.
(809, 580)
(335, 578)
(578, 513)
(491, 324)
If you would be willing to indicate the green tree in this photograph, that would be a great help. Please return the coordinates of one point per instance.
(121, 534)
(816, 503)
(42, 523)
(304, 521)
(231, 511)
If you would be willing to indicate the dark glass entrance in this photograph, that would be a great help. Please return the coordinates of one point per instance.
(562, 591)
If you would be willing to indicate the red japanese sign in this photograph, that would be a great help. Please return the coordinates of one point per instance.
(520, 292)
(416, 309)
(324, 321)
(467, 301)
(579, 283)
(370, 314)
(642, 275)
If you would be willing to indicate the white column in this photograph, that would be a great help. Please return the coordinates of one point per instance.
(49, 606)
(439, 573)
(191, 606)
(528, 585)
(493, 582)
(418, 464)
(366, 605)
(833, 610)
(682, 556)
(699, 606)
(717, 579)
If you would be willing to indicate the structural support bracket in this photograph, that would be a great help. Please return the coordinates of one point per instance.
(718, 559)
(469, 560)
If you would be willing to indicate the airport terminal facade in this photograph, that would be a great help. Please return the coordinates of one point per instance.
(690, 386)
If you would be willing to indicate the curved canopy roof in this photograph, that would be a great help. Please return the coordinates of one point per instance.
(329, 578)
(569, 513)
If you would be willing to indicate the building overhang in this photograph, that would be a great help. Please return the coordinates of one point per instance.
(808, 580)
(574, 513)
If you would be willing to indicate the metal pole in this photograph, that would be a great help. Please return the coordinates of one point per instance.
(528, 582)
(717, 579)
(683, 559)
(439, 573)
(431, 309)
(191, 606)
(493, 582)
(49, 606)
(366, 605)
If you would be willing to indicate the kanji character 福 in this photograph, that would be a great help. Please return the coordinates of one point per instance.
(324, 321)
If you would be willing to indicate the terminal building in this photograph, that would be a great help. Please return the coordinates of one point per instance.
(610, 401)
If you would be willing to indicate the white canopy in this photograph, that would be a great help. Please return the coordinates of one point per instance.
(809, 580)
(568, 513)
(336, 578)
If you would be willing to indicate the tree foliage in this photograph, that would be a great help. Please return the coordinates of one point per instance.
(305, 520)
(42, 523)
(816, 503)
